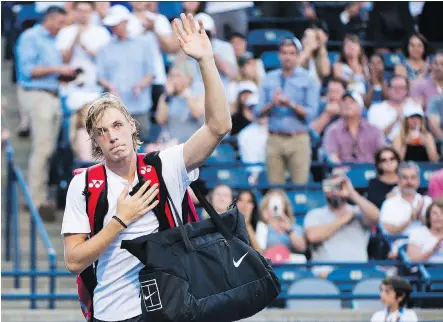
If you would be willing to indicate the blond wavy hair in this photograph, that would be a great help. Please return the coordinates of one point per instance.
(287, 207)
(94, 115)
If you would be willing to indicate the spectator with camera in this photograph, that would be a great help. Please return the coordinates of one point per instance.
(314, 55)
(381, 187)
(289, 96)
(330, 229)
(352, 138)
(280, 228)
(39, 65)
(423, 90)
(407, 208)
(180, 110)
(129, 78)
(425, 244)
(329, 109)
(388, 115)
(414, 142)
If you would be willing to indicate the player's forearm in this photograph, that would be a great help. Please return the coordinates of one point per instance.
(217, 114)
(86, 253)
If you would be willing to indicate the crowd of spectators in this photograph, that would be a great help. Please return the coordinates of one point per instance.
(356, 109)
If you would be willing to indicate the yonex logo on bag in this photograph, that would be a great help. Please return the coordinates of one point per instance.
(95, 183)
(146, 169)
(151, 296)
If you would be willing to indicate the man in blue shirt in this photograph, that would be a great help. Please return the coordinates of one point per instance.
(290, 96)
(39, 64)
(125, 67)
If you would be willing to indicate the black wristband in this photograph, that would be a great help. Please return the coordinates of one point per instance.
(120, 221)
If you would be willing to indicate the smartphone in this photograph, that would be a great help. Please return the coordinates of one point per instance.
(332, 185)
(276, 206)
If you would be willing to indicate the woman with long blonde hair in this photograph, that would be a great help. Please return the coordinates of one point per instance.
(415, 143)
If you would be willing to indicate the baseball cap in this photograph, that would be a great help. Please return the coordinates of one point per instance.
(208, 22)
(247, 86)
(292, 41)
(412, 108)
(252, 100)
(355, 96)
(245, 58)
(116, 15)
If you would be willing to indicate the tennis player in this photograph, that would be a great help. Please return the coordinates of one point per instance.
(114, 138)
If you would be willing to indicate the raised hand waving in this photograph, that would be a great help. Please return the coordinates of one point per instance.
(195, 43)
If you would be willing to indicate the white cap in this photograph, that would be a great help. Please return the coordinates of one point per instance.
(247, 86)
(116, 15)
(208, 22)
(77, 100)
(411, 108)
(252, 100)
(355, 96)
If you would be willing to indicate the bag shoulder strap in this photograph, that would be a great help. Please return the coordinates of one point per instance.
(96, 194)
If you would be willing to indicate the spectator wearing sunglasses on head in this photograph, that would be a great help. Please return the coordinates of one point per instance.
(351, 138)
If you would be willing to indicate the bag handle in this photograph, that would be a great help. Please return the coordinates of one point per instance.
(211, 212)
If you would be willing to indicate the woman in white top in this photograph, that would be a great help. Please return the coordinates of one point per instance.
(425, 243)
(394, 294)
(352, 66)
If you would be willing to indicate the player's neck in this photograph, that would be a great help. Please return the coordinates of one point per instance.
(125, 168)
(393, 308)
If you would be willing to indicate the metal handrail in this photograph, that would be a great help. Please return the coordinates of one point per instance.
(16, 179)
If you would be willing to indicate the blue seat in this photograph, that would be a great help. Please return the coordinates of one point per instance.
(268, 37)
(333, 56)
(170, 9)
(368, 286)
(346, 277)
(224, 153)
(303, 199)
(436, 280)
(27, 12)
(392, 59)
(270, 60)
(426, 171)
(313, 286)
(361, 173)
(287, 276)
(234, 177)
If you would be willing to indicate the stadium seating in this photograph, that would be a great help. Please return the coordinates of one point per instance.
(367, 286)
(313, 286)
(333, 56)
(224, 153)
(360, 173)
(436, 280)
(170, 9)
(392, 59)
(270, 60)
(305, 199)
(346, 277)
(426, 170)
(260, 40)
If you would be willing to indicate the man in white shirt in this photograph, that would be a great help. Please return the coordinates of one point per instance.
(230, 15)
(114, 138)
(394, 293)
(79, 44)
(406, 210)
(387, 115)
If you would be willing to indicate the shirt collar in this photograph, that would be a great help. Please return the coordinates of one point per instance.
(43, 31)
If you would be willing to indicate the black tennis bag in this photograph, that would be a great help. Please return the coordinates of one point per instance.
(203, 271)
